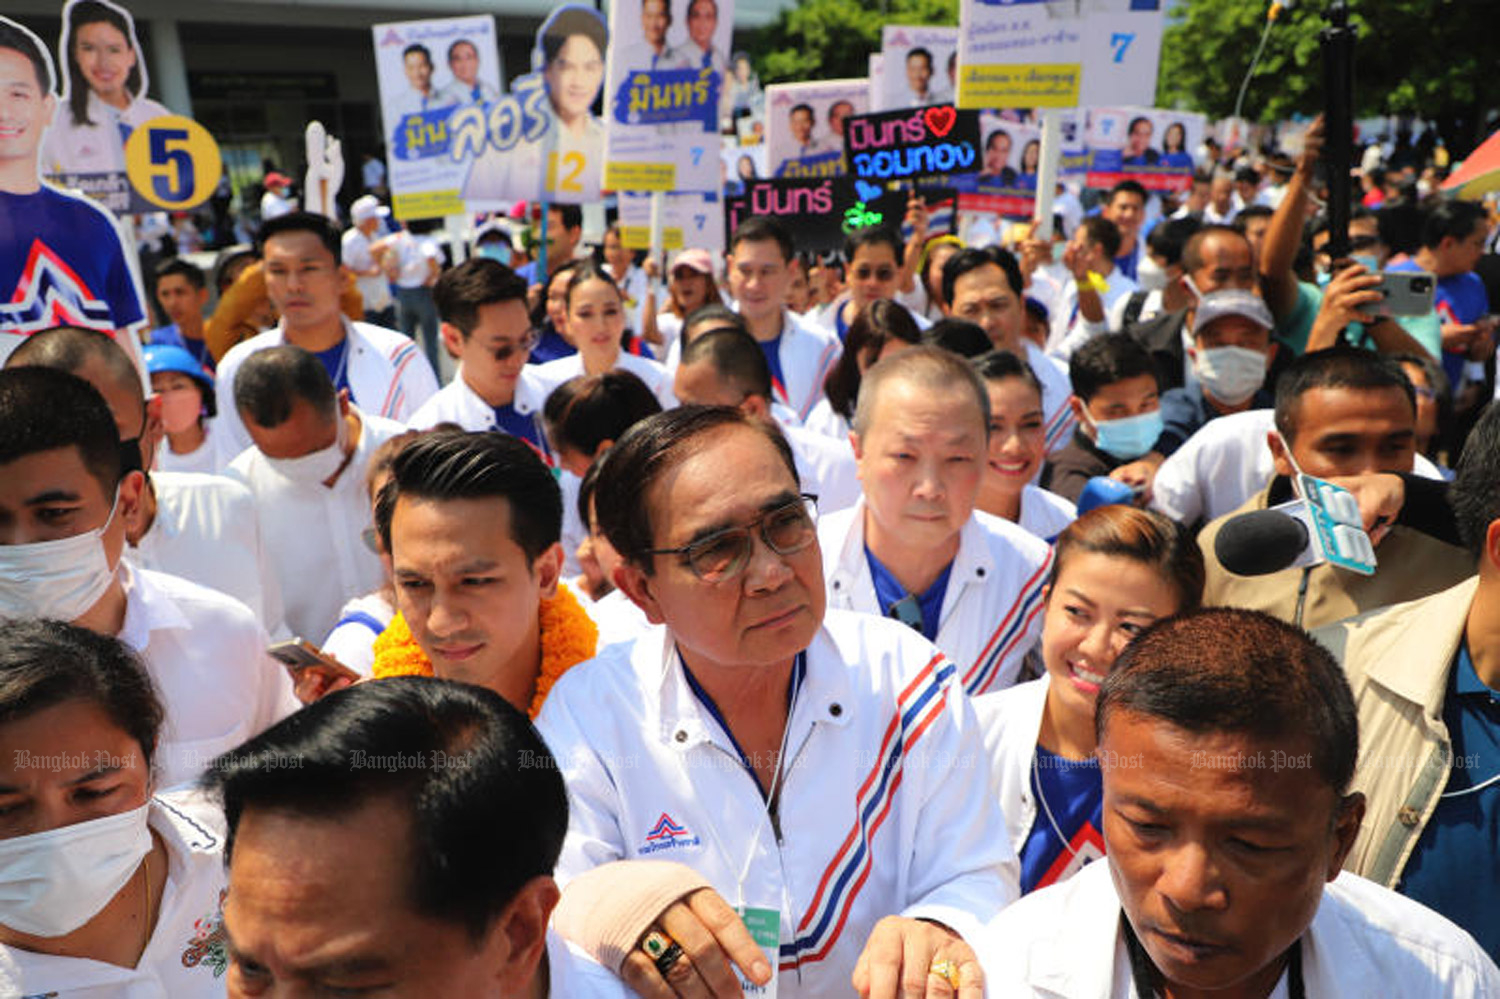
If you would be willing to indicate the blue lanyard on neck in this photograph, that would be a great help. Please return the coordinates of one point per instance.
(794, 683)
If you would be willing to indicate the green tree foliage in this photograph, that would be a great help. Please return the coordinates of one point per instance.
(832, 39)
(1431, 57)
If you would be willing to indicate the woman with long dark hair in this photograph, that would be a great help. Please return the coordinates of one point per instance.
(106, 96)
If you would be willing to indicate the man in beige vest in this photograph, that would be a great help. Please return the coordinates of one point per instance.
(1426, 680)
(1339, 413)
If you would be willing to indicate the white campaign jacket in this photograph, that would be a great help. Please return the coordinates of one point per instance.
(807, 353)
(388, 375)
(1056, 390)
(96, 147)
(1063, 942)
(885, 797)
(457, 403)
(657, 378)
(1010, 721)
(826, 467)
(992, 612)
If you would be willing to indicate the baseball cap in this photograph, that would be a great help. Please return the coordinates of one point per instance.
(169, 357)
(366, 208)
(274, 179)
(698, 260)
(1231, 302)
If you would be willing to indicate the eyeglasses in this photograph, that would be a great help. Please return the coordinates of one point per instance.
(786, 530)
(525, 345)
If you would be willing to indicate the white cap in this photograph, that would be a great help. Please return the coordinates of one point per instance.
(366, 208)
(1231, 302)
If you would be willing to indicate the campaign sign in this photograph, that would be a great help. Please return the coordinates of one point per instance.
(812, 208)
(689, 221)
(429, 74)
(805, 125)
(1057, 53)
(915, 144)
(1006, 182)
(1142, 144)
(666, 94)
(923, 66)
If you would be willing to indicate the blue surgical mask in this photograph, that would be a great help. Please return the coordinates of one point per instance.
(496, 251)
(1129, 437)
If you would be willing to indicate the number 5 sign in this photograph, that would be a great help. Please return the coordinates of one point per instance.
(173, 162)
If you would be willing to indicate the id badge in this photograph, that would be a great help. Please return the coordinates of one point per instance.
(765, 929)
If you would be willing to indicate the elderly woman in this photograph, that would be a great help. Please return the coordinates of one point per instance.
(105, 888)
(801, 762)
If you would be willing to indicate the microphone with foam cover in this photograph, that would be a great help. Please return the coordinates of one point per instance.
(1260, 542)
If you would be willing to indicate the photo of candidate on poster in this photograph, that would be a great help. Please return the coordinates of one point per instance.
(919, 67)
(805, 125)
(1147, 145)
(550, 147)
(62, 258)
(1011, 155)
(103, 100)
(428, 72)
(741, 166)
(667, 93)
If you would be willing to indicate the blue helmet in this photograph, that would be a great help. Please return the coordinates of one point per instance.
(167, 357)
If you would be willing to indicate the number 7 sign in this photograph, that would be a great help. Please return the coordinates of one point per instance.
(1121, 51)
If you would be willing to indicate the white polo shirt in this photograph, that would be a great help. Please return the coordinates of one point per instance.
(207, 530)
(312, 533)
(207, 656)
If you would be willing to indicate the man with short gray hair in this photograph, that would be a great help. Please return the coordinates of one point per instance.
(914, 548)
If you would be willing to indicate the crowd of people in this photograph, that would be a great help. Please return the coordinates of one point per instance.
(770, 623)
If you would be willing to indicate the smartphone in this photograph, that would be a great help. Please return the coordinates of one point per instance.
(1405, 293)
(297, 655)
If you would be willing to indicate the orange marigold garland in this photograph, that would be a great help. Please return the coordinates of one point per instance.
(569, 636)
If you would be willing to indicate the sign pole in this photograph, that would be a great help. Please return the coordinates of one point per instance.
(1046, 179)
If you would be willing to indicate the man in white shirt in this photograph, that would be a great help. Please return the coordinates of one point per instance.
(920, 91)
(698, 52)
(1097, 284)
(392, 853)
(307, 471)
(66, 497)
(671, 746)
(482, 304)
(800, 354)
(413, 262)
(416, 63)
(467, 87)
(726, 367)
(914, 548)
(360, 256)
(383, 371)
(985, 287)
(275, 203)
(203, 528)
(1227, 742)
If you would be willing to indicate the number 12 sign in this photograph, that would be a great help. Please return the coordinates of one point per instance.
(173, 162)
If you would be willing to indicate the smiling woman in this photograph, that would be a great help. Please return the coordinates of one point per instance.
(85, 849)
(106, 99)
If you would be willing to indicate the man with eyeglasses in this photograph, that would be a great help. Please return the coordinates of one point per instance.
(485, 324)
(803, 762)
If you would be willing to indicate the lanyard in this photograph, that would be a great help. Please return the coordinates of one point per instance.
(794, 684)
(1141, 967)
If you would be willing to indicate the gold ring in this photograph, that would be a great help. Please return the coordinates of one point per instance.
(946, 970)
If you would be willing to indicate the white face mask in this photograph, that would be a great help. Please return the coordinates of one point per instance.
(1149, 274)
(316, 468)
(1230, 374)
(58, 579)
(53, 882)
